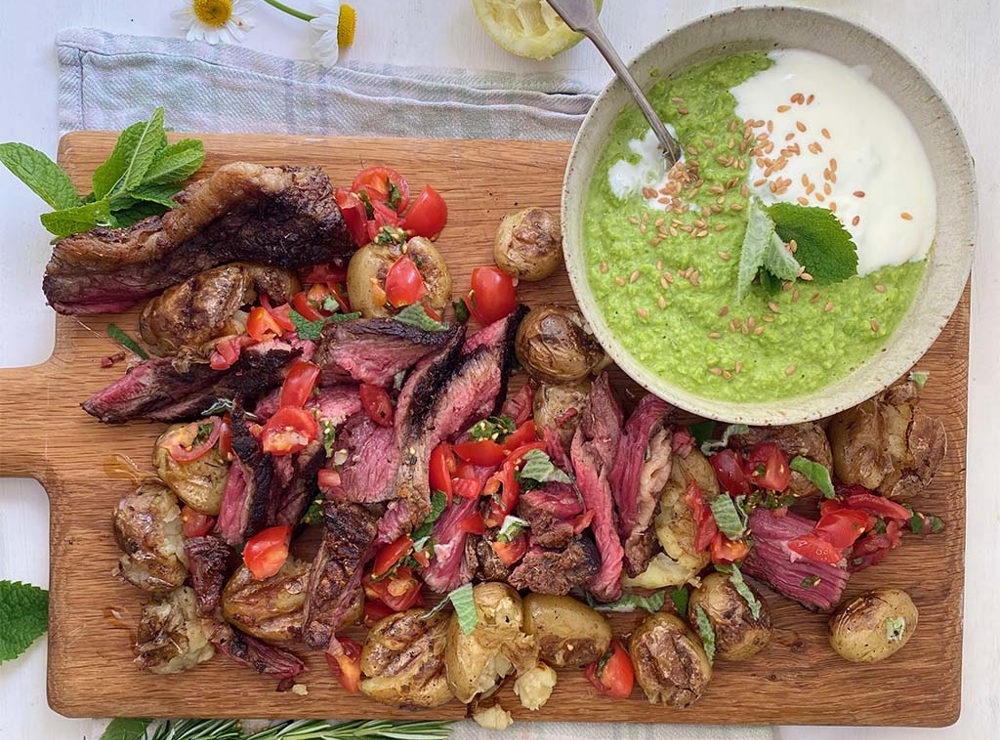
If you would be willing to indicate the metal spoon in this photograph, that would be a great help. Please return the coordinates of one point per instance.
(581, 15)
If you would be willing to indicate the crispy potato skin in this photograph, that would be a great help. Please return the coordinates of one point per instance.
(270, 609)
(560, 407)
(670, 663)
(172, 636)
(369, 266)
(874, 626)
(888, 444)
(147, 526)
(199, 483)
(403, 660)
(568, 633)
(738, 636)
(808, 440)
(528, 244)
(555, 345)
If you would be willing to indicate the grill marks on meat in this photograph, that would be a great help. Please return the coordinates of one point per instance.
(245, 500)
(257, 654)
(374, 350)
(369, 473)
(640, 471)
(451, 567)
(156, 391)
(556, 572)
(208, 562)
(281, 216)
(594, 446)
(336, 571)
(290, 495)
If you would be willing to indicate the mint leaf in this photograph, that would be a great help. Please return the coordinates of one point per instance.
(24, 617)
(680, 597)
(126, 729)
(80, 218)
(131, 158)
(895, 627)
(736, 578)
(711, 444)
(779, 261)
(134, 212)
(415, 315)
(461, 311)
(126, 341)
(705, 632)
(630, 602)
(538, 469)
(465, 607)
(175, 163)
(511, 527)
(439, 501)
(307, 329)
(760, 229)
(824, 246)
(918, 377)
(45, 178)
(817, 474)
(729, 519)
(161, 194)
(496, 428)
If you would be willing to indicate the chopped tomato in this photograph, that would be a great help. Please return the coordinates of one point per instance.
(299, 384)
(812, 547)
(281, 316)
(504, 498)
(327, 478)
(390, 555)
(302, 305)
(428, 214)
(226, 352)
(404, 285)
(466, 487)
(521, 436)
(399, 592)
(768, 468)
(873, 547)
(432, 312)
(729, 472)
(289, 430)
(841, 528)
(375, 612)
(383, 216)
(483, 452)
(877, 505)
(261, 325)
(473, 524)
(346, 664)
(725, 551)
(612, 675)
(193, 440)
(493, 295)
(355, 216)
(442, 466)
(383, 185)
(267, 551)
(377, 404)
(326, 273)
(226, 437)
(705, 526)
(511, 552)
(196, 523)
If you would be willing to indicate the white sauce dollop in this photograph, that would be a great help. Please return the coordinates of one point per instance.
(882, 183)
(650, 170)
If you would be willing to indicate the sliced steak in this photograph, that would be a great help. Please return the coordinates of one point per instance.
(519, 406)
(450, 567)
(336, 571)
(290, 495)
(553, 513)
(369, 473)
(545, 571)
(335, 403)
(244, 507)
(208, 562)
(257, 654)
(489, 566)
(243, 212)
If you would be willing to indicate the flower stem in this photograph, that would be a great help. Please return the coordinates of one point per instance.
(291, 11)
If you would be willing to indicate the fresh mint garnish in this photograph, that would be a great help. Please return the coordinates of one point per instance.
(630, 602)
(313, 330)
(729, 516)
(24, 615)
(539, 469)
(823, 246)
(817, 474)
(415, 315)
(705, 632)
(39, 173)
(736, 578)
(127, 342)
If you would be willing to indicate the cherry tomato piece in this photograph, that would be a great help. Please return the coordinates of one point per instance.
(877, 505)
(375, 612)
(843, 527)
(812, 547)
(473, 524)
(724, 551)
(196, 523)
(299, 384)
(483, 452)
(767, 467)
(267, 551)
(193, 440)
(327, 478)
(377, 404)
(346, 664)
(493, 295)
(302, 305)
(391, 554)
(261, 325)
(442, 466)
(428, 214)
(466, 487)
(729, 472)
(511, 552)
(404, 284)
(326, 273)
(226, 353)
(522, 435)
(613, 674)
(383, 185)
(399, 591)
(355, 216)
(288, 431)
(226, 437)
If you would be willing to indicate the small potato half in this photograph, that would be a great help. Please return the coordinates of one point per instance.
(403, 660)
(568, 632)
(199, 483)
(873, 626)
(528, 244)
(270, 609)
(369, 266)
(670, 663)
(738, 634)
(555, 345)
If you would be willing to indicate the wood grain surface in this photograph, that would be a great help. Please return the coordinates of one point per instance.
(796, 680)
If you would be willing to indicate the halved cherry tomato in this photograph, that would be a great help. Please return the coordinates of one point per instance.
(399, 591)
(281, 316)
(299, 384)
(327, 478)
(473, 524)
(267, 551)
(355, 215)
(346, 664)
(340, 298)
(301, 303)
(521, 436)
(226, 352)
(493, 295)
(326, 273)
(509, 491)
(877, 505)
(289, 430)
(404, 285)
(483, 452)
(261, 325)
(873, 547)
(442, 466)
(196, 523)
(192, 441)
(466, 487)
(376, 402)
(612, 675)
(812, 547)
(226, 437)
(767, 467)
(511, 552)
(843, 527)
(375, 612)
(705, 526)
(725, 551)
(391, 554)
(729, 472)
(383, 185)
(428, 214)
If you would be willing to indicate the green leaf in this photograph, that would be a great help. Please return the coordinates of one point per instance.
(461, 311)
(895, 627)
(705, 632)
(727, 516)
(712, 444)
(919, 377)
(760, 229)
(680, 597)
(538, 469)
(126, 729)
(439, 501)
(818, 475)
(630, 602)
(779, 261)
(134, 211)
(24, 617)
(175, 162)
(511, 527)
(45, 178)
(161, 194)
(415, 315)
(74, 220)
(313, 330)
(824, 246)
(496, 428)
(702, 432)
(736, 578)
(131, 158)
(126, 341)
(465, 607)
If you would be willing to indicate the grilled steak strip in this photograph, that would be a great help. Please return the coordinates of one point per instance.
(450, 567)
(208, 561)
(552, 512)
(257, 654)
(547, 571)
(369, 473)
(289, 499)
(336, 571)
(244, 502)
(243, 212)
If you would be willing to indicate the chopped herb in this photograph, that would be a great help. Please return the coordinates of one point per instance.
(390, 235)
(511, 527)
(894, 628)
(330, 304)
(823, 246)
(497, 428)
(539, 469)
(465, 607)
(715, 444)
(369, 209)
(880, 527)
(461, 311)
(416, 315)
(702, 432)
(729, 516)
(314, 514)
(758, 234)
(395, 197)
(680, 596)
(706, 632)
(813, 580)
(397, 380)
(329, 435)
(313, 330)
(127, 342)
(818, 474)
(439, 500)
(736, 578)
(921, 523)
(919, 377)
(630, 602)
(219, 406)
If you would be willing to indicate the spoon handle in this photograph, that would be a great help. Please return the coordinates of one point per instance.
(581, 15)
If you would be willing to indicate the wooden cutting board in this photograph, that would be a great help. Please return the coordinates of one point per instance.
(797, 680)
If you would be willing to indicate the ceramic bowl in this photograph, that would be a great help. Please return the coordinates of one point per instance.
(949, 261)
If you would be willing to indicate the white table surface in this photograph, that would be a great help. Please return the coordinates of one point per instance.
(955, 43)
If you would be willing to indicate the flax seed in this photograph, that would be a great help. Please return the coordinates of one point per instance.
(787, 285)
(880, 288)
(815, 148)
(673, 231)
(706, 211)
(716, 208)
(634, 276)
(676, 99)
(814, 297)
(664, 283)
(767, 319)
(745, 330)
(790, 370)
(774, 307)
(715, 370)
(662, 302)
(736, 207)
(793, 246)
(809, 188)
(751, 322)
(734, 324)
(739, 367)
(833, 206)
(723, 311)
(820, 197)
(789, 136)
(734, 125)
(795, 296)
(668, 276)
(700, 223)
(682, 110)
(727, 375)
(643, 313)
(783, 108)
(693, 151)
(874, 326)
(906, 216)
(859, 193)
(714, 335)
(721, 227)
(633, 220)
(604, 268)
(642, 228)
(800, 126)
(701, 234)
(827, 189)
(828, 307)
(744, 191)
(802, 201)
(758, 331)
(805, 276)
(855, 221)
(620, 282)
(810, 99)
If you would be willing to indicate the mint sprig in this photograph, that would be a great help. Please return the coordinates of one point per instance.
(818, 474)
(823, 246)
(24, 617)
(416, 315)
(40, 174)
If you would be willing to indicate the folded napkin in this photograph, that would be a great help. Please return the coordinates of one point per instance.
(108, 81)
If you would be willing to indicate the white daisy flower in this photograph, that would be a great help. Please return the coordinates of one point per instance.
(335, 24)
(215, 20)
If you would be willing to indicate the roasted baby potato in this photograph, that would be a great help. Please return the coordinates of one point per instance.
(808, 440)
(270, 609)
(555, 345)
(528, 244)
(172, 636)
(873, 626)
(148, 530)
(367, 270)
(888, 443)
(670, 663)
(534, 687)
(477, 662)
(560, 407)
(568, 633)
(198, 483)
(738, 634)
(403, 660)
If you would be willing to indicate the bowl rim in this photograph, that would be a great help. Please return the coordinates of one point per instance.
(854, 387)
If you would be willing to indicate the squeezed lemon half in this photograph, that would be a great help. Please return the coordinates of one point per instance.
(528, 28)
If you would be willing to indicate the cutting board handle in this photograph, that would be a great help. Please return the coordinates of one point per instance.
(23, 403)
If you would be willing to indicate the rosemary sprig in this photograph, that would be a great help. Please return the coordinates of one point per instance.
(217, 729)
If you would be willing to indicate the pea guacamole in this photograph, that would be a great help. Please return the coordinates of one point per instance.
(662, 264)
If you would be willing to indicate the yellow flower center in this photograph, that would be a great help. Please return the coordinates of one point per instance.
(345, 26)
(213, 12)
